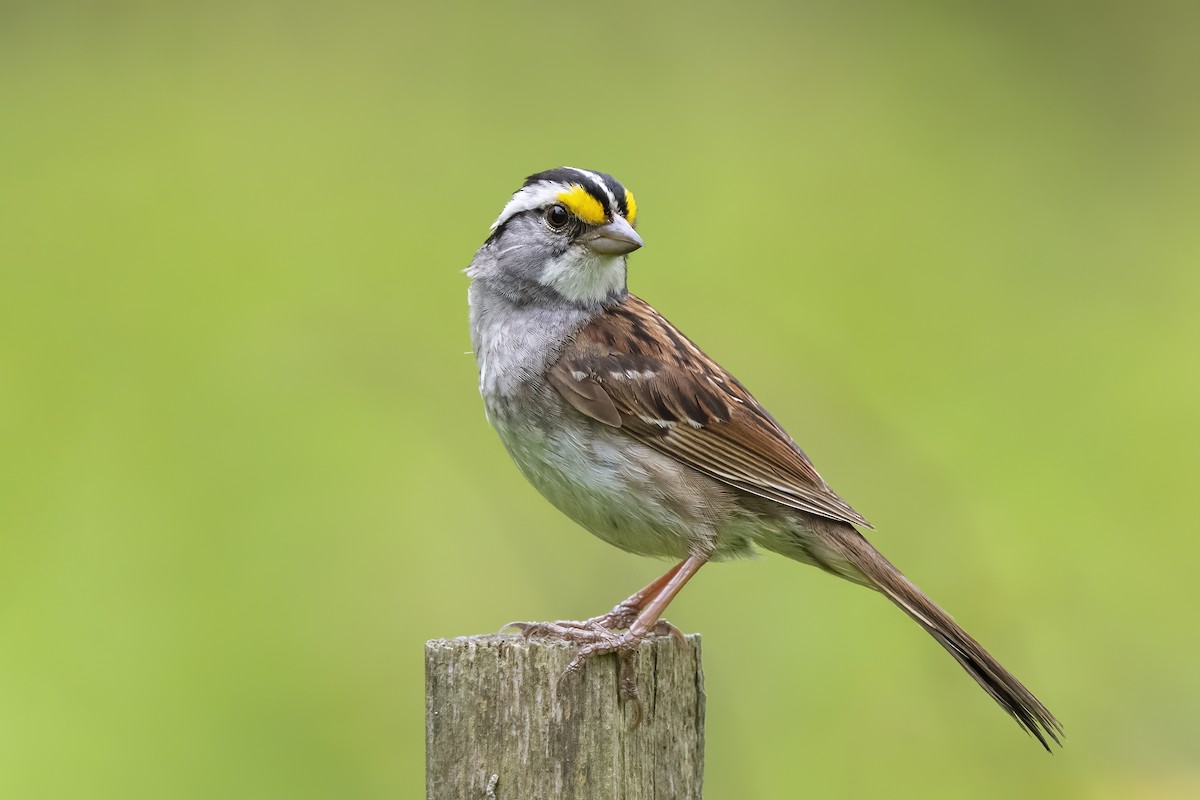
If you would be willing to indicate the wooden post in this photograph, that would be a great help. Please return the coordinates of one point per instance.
(500, 724)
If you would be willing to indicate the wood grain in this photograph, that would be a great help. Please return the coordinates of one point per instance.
(500, 724)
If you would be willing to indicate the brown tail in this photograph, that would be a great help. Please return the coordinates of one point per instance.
(998, 682)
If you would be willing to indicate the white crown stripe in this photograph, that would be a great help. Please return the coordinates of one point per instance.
(546, 191)
(612, 201)
(528, 198)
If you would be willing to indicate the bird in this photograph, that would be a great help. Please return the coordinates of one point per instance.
(626, 426)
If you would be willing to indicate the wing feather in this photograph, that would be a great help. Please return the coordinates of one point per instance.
(631, 369)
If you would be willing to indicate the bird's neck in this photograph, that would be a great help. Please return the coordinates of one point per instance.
(515, 342)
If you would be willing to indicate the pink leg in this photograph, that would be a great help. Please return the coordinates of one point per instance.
(599, 636)
(675, 580)
(625, 612)
(621, 616)
(625, 645)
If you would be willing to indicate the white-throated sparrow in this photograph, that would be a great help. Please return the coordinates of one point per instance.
(632, 431)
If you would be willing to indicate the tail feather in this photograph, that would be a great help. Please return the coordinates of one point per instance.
(998, 682)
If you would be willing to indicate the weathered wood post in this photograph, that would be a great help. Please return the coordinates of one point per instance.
(499, 723)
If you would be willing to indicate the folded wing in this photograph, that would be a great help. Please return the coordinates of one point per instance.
(631, 369)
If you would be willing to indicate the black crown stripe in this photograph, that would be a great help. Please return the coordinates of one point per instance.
(618, 192)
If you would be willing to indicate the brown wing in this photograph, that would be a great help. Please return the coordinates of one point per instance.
(631, 369)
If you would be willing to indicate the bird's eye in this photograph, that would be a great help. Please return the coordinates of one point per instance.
(557, 217)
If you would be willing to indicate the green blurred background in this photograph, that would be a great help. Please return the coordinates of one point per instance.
(245, 472)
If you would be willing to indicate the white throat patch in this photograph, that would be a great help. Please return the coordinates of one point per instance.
(585, 277)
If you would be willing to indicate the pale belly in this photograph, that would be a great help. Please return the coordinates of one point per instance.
(624, 492)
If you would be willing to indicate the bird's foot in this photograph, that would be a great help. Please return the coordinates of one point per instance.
(594, 630)
(598, 636)
(624, 614)
(638, 616)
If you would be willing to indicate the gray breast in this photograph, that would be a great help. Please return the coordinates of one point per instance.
(515, 344)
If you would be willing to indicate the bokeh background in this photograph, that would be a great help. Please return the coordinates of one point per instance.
(244, 472)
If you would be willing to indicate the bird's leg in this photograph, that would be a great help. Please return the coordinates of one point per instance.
(647, 619)
(621, 617)
(625, 645)
(599, 637)
(624, 613)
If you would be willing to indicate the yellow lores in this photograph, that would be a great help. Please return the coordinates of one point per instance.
(632, 206)
(583, 205)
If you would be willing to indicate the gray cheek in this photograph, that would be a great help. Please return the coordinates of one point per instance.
(526, 246)
(518, 261)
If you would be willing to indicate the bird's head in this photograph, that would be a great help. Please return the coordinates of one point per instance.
(565, 233)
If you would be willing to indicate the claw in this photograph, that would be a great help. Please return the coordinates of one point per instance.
(663, 628)
(598, 636)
